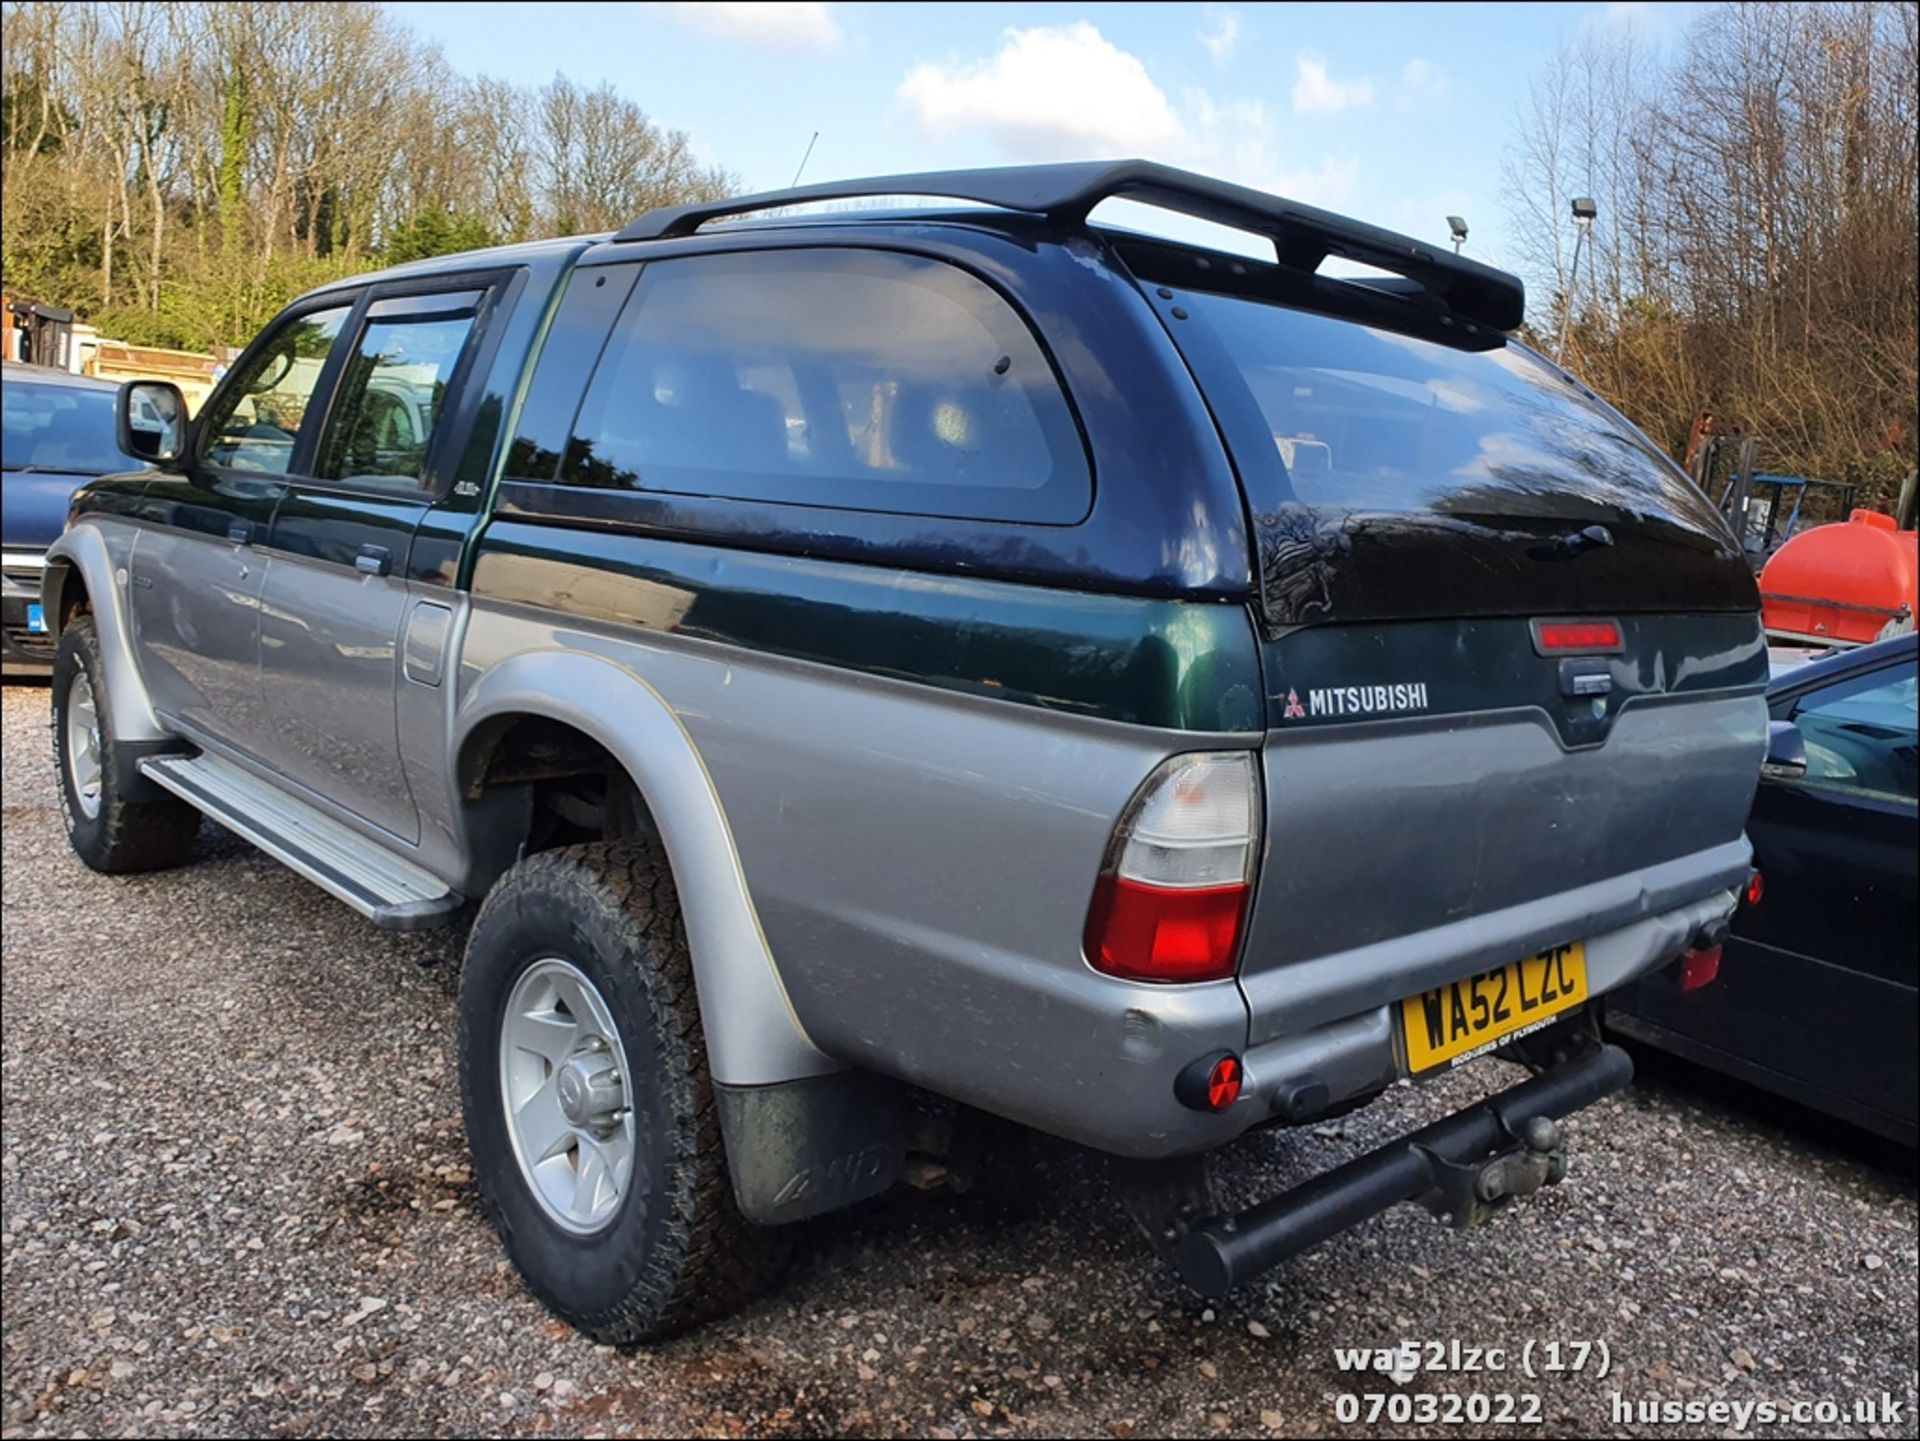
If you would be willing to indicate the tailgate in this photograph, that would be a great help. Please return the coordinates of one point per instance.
(1512, 657)
(1437, 805)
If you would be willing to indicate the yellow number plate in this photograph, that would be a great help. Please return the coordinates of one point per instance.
(1458, 1021)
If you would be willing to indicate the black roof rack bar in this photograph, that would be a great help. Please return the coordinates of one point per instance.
(1303, 236)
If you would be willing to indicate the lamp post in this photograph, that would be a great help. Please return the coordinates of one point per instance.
(1584, 210)
(1459, 229)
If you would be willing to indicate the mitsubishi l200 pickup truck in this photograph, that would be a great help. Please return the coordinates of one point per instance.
(966, 654)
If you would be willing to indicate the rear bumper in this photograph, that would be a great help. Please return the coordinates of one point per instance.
(1295, 996)
(1294, 1076)
(1111, 1073)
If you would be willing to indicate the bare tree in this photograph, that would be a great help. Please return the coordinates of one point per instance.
(1755, 253)
(183, 168)
(602, 161)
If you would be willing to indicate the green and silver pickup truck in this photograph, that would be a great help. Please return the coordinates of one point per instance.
(892, 663)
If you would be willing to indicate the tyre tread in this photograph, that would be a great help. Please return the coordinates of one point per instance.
(132, 836)
(716, 1260)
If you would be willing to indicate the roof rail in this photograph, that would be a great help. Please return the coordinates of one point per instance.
(1303, 236)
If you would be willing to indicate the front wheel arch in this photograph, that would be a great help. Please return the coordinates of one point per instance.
(88, 576)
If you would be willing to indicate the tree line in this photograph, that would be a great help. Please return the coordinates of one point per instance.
(176, 172)
(1754, 254)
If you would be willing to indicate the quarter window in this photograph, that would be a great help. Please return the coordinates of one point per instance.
(394, 386)
(863, 380)
(254, 423)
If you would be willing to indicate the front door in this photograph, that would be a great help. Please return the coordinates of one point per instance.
(338, 596)
(1825, 961)
(198, 567)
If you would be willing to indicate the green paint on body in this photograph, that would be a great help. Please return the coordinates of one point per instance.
(1179, 665)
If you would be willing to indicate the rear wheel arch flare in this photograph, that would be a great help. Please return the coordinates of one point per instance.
(578, 785)
(583, 707)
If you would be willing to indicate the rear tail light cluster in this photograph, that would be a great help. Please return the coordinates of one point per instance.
(1172, 898)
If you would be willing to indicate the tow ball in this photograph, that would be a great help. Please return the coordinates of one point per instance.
(1465, 1196)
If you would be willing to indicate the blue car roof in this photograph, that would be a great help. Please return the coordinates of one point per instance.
(14, 373)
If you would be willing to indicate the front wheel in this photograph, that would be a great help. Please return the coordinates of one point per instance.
(589, 1111)
(109, 831)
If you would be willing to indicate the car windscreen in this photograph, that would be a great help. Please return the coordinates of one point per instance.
(65, 428)
(1369, 420)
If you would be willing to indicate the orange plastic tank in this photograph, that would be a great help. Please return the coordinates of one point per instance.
(1849, 582)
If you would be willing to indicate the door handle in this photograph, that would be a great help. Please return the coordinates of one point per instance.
(373, 560)
(241, 532)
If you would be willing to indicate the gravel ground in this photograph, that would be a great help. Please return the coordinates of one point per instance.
(236, 1202)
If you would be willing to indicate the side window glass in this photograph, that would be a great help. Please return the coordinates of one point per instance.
(586, 314)
(394, 386)
(861, 380)
(1863, 735)
(255, 423)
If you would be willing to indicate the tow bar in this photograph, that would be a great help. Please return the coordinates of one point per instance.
(1464, 1168)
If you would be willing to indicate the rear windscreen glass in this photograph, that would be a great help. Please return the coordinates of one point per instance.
(1370, 420)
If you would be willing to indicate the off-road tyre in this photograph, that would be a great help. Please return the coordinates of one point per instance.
(677, 1252)
(121, 836)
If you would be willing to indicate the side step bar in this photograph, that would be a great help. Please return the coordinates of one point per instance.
(387, 889)
(1463, 1166)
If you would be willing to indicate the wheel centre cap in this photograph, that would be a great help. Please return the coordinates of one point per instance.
(589, 1090)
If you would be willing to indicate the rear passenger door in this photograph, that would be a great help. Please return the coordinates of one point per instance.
(338, 600)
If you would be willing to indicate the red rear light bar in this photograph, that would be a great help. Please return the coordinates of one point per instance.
(1154, 933)
(1578, 637)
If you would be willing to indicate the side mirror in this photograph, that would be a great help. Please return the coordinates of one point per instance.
(1786, 753)
(150, 417)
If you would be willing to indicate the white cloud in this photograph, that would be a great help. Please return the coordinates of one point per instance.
(1330, 184)
(1422, 83)
(1635, 19)
(781, 25)
(1316, 91)
(1066, 92)
(1623, 14)
(1240, 140)
(1048, 93)
(1223, 37)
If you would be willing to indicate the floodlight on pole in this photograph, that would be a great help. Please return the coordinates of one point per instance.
(1459, 229)
(1584, 211)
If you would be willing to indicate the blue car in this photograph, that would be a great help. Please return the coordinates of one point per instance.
(1816, 997)
(58, 435)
